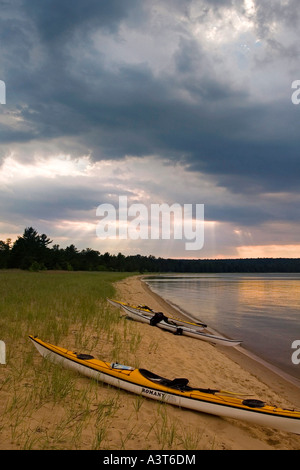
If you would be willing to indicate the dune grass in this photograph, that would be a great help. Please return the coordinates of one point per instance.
(46, 407)
(55, 306)
(48, 303)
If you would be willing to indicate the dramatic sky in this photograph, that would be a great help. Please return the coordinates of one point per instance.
(162, 101)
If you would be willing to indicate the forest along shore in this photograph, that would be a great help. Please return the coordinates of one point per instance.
(207, 365)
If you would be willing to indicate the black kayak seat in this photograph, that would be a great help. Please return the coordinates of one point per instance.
(84, 357)
(157, 318)
(178, 383)
(251, 403)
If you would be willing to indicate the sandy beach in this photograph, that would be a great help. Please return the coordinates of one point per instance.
(39, 410)
(207, 365)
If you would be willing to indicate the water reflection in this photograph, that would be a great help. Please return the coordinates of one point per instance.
(262, 310)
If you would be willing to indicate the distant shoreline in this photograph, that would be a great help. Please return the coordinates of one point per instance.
(32, 252)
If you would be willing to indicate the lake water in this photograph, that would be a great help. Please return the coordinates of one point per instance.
(262, 310)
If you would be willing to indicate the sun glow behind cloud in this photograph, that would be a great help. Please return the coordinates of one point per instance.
(160, 101)
(61, 165)
(37, 188)
(269, 251)
(219, 29)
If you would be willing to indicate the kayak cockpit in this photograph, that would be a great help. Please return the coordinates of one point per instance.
(177, 383)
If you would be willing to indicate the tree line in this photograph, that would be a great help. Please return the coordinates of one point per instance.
(31, 251)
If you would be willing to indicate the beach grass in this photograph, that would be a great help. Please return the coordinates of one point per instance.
(48, 303)
(46, 407)
(58, 307)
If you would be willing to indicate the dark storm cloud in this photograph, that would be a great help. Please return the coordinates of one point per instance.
(57, 20)
(65, 91)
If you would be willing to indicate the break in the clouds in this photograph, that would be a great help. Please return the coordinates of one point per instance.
(165, 101)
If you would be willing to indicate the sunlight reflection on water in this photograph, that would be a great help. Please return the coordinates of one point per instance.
(262, 310)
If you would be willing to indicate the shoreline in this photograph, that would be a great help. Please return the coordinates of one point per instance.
(213, 366)
(250, 360)
(254, 364)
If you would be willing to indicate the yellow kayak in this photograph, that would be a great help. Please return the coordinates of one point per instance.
(173, 391)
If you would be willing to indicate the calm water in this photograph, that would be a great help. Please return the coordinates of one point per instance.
(261, 310)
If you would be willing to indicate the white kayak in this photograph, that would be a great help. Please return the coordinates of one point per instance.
(163, 322)
(150, 312)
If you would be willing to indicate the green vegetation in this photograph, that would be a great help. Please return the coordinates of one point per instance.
(44, 406)
(48, 303)
(32, 252)
(56, 306)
